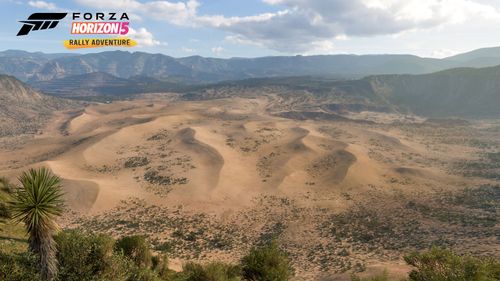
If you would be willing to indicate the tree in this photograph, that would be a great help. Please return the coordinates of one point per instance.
(37, 203)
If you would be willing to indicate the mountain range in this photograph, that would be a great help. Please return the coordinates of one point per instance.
(34, 67)
(403, 83)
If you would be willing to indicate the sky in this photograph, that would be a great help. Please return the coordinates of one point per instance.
(255, 28)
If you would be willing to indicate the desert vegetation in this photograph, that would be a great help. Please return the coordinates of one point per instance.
(81, 255)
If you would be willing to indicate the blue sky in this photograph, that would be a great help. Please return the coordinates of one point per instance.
(252, 28)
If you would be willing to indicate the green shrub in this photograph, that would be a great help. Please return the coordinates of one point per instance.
(5, 191)
(160, 266)
(443, 265)
(143, 274)
(19, 267)
(267, 263)
(215, 271)
(5, 185)
(89, 257)
(136, 248)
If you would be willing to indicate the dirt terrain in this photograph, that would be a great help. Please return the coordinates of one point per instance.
(209, 179)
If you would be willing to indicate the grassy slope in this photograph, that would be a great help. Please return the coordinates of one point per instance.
(12, 236)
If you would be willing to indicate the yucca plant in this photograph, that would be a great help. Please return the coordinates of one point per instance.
(37, 203)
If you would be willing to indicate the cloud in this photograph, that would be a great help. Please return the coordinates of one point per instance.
(302, 26)
(188, 50)
(144, 37)
(43, 5)
(180, 13)
(217, 50)
(443, 53)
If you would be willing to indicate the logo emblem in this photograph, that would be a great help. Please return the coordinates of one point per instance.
(40, 21)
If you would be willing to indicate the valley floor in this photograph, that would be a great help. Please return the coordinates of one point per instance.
(208, 179)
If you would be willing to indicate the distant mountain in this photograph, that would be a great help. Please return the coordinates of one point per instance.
(34, 67)
(125, 64)
(118, 63)
(493, 52)
(24, 65)
(20, 53)
(461, 92)
(24, 110)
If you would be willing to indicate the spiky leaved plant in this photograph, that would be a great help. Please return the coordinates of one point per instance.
(37, 203)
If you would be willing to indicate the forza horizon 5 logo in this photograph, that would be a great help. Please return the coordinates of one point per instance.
(84, 23)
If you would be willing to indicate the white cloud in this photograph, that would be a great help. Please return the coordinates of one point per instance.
(180, 13)
(188, 50)
(306, 26)
(443, 53)
(144, 37)
(303, 26)
(217, 50)
(321, 47)
(43, 5)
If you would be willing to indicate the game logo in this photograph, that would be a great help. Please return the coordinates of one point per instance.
(114, 24)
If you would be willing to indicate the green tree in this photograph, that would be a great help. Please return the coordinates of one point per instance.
(267, 263)
(37, 203)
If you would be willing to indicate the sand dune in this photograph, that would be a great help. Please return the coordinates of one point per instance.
(80, 195)
(228, 163)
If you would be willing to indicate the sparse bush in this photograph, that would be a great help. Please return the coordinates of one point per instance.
(5, 190)
(89, 257)
(160, 266)
(268, 263)
(19, 267)
(443, 265)
(5, 185)
(136, 161)
(136, 248)
(215, 271)
(143, 274)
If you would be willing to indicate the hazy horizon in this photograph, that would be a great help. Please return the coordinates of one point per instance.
(102, 50)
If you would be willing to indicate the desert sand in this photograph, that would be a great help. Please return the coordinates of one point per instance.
(209, 179)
